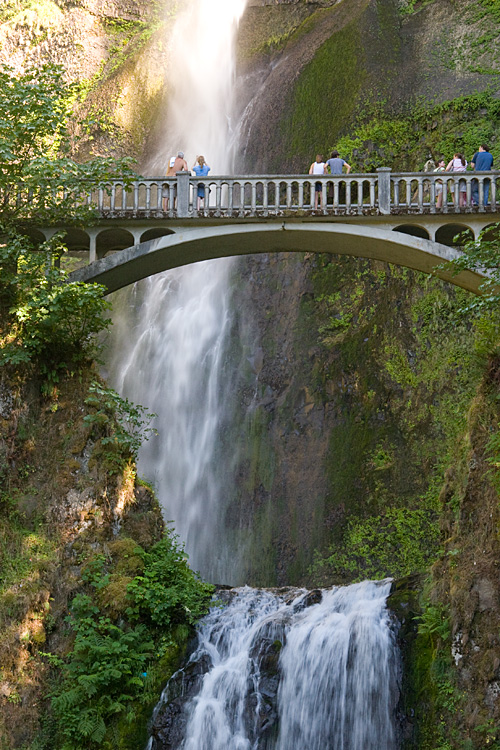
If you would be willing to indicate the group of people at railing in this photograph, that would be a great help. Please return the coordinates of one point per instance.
(179, 164)
(482, 161)
(463, 192)
(334, 165)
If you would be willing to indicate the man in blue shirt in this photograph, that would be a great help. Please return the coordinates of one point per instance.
(482, 161)
(336, 164)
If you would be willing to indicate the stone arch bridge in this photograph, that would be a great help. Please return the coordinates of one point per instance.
(156, 224)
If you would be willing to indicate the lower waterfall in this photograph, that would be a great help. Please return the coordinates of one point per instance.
(287, 670)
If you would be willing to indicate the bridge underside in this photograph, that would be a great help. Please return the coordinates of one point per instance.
(187, 245)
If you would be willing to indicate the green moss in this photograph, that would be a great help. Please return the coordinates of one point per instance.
(325, 94)
(261, 455)
(403, 141)
(402, 388)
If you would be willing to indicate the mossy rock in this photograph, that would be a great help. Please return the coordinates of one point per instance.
(126, 561)
(113, 597)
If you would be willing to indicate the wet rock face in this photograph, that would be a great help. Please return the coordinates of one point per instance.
(261, 704)
(170, 723)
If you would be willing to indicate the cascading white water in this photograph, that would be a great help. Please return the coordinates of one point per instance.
(170, 332)
(339, 674)
(201, 82)
(335, 662)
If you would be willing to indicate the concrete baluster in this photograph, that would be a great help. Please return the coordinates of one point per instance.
(92, 245)
(420, 193)
(481, 194)
(254, 198)
(218, 199)
(396, 193)
(360, 196)
(348, 199)
(408, 193)
(371, 187)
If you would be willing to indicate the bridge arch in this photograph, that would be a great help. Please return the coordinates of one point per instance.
(155, 233)
(492, 232)
(36, 236)
(113, 240)
(188, 246)
(413, 230)
(446, 234)
(77, 240)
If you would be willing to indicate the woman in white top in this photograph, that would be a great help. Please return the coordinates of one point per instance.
(459, 164)
(317, 167)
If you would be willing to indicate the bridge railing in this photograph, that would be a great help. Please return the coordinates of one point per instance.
(384, 192)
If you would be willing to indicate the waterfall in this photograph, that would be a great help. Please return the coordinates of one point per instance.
(169, 336)
(288, 671)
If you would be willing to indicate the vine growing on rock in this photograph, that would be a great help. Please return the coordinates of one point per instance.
(404, 141)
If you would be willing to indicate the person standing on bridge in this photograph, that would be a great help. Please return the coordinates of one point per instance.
(336, 164)
(459, 164)
(166, 188)
(482, 161)
(201, 169)
(317, 167)
(176, 164)
(441, 167)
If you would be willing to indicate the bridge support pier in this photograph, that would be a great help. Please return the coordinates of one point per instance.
(92, 233)
(384, 190)
(183, 194)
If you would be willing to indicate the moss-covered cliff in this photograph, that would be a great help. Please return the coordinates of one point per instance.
(342, 62)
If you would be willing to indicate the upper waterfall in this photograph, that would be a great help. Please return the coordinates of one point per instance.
(200, 81)
(169, 336)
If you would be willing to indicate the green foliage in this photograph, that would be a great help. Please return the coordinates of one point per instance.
(126, 422)
(54, 322)
(109, 675)
(489, 9)
(38, 178)
(404, 141)
(102, 677)
(482, 255)
(396, 543)
(436, 698)
(51, 323)
(434, 621)
(168, 592)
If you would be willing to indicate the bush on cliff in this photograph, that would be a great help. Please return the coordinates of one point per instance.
(105, 675)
